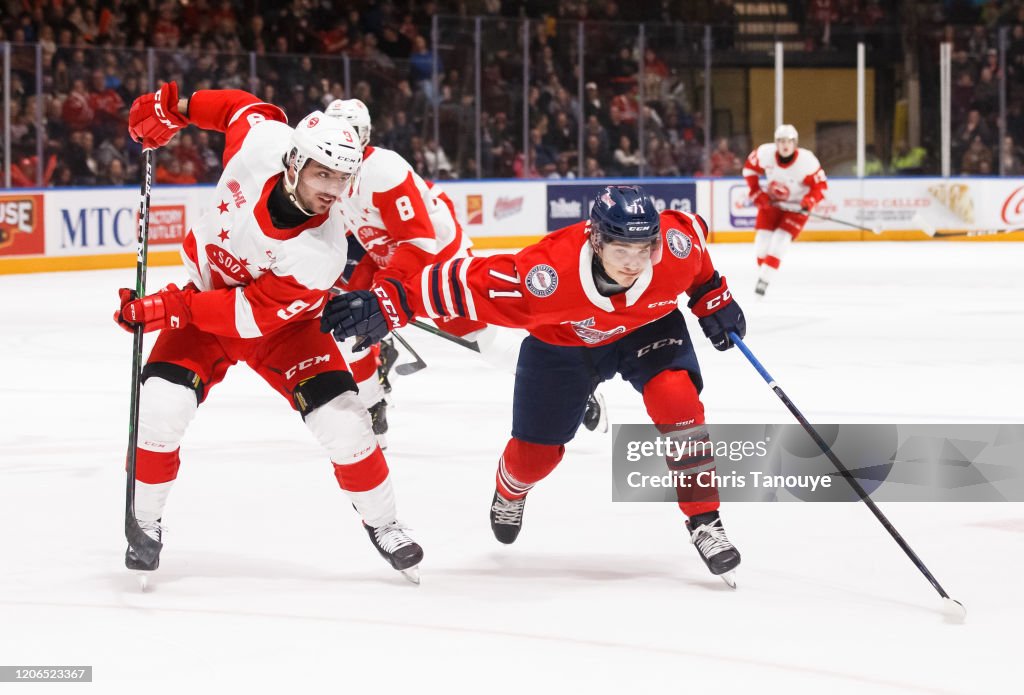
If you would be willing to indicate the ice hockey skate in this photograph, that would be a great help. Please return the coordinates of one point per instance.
(595, 417)
(395, 546)
(388, 356)
(506, 517)
(143, 570)
(379, 416)
(762, 285)
(708, 536)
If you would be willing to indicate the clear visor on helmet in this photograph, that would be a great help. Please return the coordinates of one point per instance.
(625, 253)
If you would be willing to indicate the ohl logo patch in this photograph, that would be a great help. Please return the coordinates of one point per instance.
(542, 280)
(678, 243)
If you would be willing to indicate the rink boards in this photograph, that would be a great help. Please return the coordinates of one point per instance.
(72, 229)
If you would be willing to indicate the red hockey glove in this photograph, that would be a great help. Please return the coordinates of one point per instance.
(168, 308)
(808, 202)
(762, 201)
(154, 118)
(368, 314)
(716, 312)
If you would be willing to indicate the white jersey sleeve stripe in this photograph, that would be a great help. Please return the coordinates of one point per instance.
(697, 228)
(425, 292)
(467, 293)
(245, 321)
(237, 114)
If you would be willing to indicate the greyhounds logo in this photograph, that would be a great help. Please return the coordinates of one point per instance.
(679, 244)
(542, 280)
(228, 265)
(590, 335)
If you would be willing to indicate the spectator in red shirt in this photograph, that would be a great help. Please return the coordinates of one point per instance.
(724, 161)
(107, 105)
(77, 112)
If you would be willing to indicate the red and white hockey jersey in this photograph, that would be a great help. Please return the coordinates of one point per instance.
(402, 221)
(254, 277)
(548, 288)
(785, 183)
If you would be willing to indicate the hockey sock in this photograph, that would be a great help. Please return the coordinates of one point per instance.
(523, 464)
(368, 485)
(674, 405)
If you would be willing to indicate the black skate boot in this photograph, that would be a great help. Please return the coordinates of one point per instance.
(395, 546)
(708, 536)
(388, 356)
(506, 517)
(762, 285)
(596, 415)
(379, 416)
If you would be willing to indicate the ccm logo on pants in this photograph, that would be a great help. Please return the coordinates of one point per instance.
(306, 364)
(658, 344)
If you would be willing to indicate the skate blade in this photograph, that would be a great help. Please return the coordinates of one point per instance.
(954, 610)
(412, 574)
(143, 579)
(729, 578)
(382, 441)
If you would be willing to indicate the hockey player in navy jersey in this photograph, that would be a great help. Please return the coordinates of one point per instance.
(599, 298)
(260, 259)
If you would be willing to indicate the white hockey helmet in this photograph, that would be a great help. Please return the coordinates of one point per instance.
(786, 132)
(329, 141)
(355, 112)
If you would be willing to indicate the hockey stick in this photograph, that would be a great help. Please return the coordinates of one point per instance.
(462, 342)
(877, 229)
(148, 549)
(409, 367)
(952, 606)
(935, 234)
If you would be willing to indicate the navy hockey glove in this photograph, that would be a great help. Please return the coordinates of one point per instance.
(716, 312)
(368, 314)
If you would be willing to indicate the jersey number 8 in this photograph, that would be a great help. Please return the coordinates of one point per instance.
(404, 206)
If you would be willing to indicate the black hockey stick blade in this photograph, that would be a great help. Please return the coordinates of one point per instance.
(409, 367)
(147, 549)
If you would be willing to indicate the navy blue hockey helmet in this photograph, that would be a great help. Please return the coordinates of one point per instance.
(625, 214)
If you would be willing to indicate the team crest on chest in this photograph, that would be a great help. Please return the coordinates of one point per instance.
(541, 280)
(590, 335)
(678, 243)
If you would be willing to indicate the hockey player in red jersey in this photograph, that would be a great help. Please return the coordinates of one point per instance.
(261, 260)
(794, 184)
(598, 298)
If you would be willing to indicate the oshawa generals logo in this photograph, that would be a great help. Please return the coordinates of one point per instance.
(590, 335)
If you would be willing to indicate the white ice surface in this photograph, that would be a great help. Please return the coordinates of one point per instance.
(268, 583)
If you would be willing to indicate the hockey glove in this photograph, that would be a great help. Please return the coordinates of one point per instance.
(762, 201)
(168, 308)
(154, 118)
(716, 312)
(368, 314)
(808, 202)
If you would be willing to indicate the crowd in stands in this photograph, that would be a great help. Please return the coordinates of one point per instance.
(637, 114)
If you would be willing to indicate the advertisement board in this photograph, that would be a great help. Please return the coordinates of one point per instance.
(568, 203)
(22, 225)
